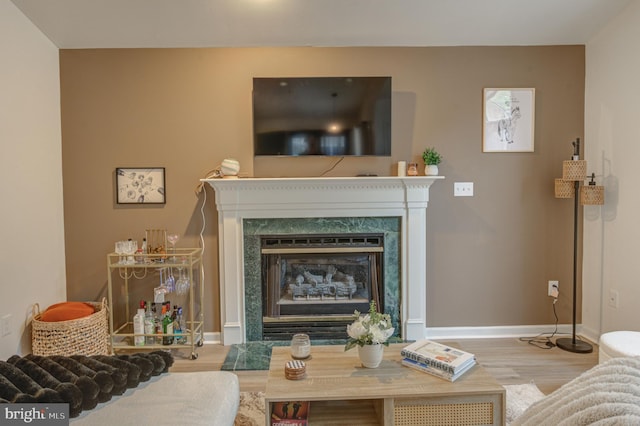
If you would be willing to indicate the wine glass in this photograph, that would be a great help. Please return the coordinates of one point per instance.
(131, 247)
(120, 250)
(161, 290)
(182, 285)
(173, 239)
(170, 281)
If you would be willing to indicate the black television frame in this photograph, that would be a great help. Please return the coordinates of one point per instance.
(292, 116)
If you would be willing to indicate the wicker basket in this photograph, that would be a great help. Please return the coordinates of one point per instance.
(83, 336)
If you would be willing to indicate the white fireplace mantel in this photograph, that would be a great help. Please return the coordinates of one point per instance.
(404, 197)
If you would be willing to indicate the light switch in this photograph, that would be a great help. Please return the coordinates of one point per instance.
(463, 189)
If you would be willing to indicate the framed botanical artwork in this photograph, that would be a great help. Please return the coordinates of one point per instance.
(508, 120)
(144, 185)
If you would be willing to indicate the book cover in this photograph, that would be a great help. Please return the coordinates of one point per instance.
(438, 355)
(435, 371)
(290, 413)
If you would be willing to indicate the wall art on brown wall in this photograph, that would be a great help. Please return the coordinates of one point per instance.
(144, 185)
(508, 120)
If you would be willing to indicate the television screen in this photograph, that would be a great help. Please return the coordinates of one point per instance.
(333, 116)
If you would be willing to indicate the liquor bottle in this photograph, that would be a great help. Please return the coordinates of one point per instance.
(167, 327)
(179, 328)
(149, 327)
(157, 323)
(138, 326)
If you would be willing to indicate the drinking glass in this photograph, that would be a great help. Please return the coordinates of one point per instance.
(183, 284)
(161, 290)
(120, 251)
(170, 282)
(173, 239)
(300, 346)
(130, 249)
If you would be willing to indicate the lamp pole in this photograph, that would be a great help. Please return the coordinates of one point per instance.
(572, 344)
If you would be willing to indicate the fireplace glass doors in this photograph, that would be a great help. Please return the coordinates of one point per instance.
(313, 284)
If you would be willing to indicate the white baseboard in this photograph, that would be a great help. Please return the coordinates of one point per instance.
(498, 331)
(214, 338)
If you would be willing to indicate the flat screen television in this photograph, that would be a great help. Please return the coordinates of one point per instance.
(331, 116)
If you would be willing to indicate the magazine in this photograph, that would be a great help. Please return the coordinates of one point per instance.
(438, 355)
(290, 413)
(435, 371)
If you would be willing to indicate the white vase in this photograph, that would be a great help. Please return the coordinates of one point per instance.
(431, 170)
(230, 167)
(371, 355)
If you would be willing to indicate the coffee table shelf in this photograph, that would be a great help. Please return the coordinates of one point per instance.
(361, 412)
(341, 391)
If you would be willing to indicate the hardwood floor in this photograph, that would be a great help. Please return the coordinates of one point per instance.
(509, 360)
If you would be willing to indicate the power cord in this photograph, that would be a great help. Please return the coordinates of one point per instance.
(211, 174)
(332, 167)
(204, 220)
(543, 340)
(215, 173)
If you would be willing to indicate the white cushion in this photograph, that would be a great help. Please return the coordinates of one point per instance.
(202, 398)
(616, 344)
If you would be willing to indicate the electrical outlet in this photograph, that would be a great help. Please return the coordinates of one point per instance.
(613, 298)
(463, 189)
(553, 289)
(5, 325)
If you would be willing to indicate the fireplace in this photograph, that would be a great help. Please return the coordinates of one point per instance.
(313, 283)
(373, 237)
(248, 207)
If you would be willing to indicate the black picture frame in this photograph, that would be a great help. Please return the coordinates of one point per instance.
(140, 185)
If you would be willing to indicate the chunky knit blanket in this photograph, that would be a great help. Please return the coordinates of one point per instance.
(79, 380)
(607, 394)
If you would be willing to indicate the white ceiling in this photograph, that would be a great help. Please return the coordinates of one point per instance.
(213, 23)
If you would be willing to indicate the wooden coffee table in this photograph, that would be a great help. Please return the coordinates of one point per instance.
(341, 391)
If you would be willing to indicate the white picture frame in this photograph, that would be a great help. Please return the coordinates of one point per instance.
(508, 118)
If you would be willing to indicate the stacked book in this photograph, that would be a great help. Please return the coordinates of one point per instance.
(437, 359)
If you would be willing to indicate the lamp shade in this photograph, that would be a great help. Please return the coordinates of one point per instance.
(574, 170)
(591, 195)
(564, 189)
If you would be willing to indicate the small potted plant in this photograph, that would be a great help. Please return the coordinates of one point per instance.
(431, 159)
(369, 332)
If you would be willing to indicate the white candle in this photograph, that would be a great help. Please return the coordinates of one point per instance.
(300, 346)
(402, 168)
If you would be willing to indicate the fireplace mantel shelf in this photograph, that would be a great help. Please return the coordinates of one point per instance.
(306, 197)
(328, 195)
(331, 178)
(366, 181)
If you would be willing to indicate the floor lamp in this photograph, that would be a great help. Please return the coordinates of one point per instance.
(574, 172)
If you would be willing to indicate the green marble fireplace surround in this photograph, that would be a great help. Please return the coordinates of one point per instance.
(255, 228)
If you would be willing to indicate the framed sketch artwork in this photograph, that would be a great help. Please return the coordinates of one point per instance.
(140, 185)
(508, 120)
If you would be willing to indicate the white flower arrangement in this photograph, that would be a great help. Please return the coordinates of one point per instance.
(370, 329)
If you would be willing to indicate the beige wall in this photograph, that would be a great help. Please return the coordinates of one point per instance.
(489, 257)
(612, 232)
(32, 251)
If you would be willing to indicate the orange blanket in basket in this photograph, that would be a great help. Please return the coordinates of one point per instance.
(66, 311)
